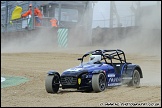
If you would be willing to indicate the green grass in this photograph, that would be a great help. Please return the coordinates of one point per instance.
(12, 81)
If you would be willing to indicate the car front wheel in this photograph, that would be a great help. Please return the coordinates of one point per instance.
(98, 82)
(52, 83)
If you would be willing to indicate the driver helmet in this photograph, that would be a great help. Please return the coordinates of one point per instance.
(94, 58)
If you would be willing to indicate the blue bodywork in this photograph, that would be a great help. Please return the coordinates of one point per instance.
(80, 77)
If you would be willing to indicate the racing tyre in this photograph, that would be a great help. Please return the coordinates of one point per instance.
(135, 79)
(98, 82)
(52, 83)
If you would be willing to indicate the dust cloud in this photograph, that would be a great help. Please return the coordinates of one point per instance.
(34, 42)
(147, 40)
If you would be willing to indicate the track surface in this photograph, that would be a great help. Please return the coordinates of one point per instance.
(35, 66)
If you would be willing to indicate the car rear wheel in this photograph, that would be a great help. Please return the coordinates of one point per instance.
(52, 83)
(135, 79)
(98, 82)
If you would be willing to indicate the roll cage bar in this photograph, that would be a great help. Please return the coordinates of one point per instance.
(107, 54)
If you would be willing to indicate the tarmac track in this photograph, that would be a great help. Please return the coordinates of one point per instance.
(35, 66)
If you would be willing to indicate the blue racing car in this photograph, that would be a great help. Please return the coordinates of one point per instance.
(99, 69)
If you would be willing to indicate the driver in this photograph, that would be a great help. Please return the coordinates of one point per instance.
(95, 58)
